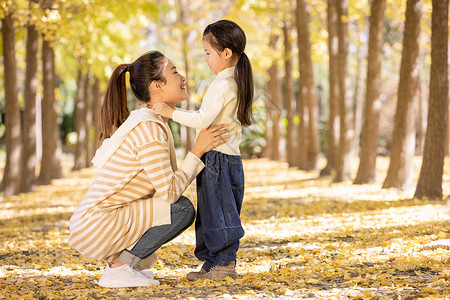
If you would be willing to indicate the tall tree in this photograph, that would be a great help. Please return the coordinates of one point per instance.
(333, 98)
(307, 83)
(97, 111)
(183, 13)
(289, 94)
(422, 110)
(89, 119)
(51, 142)
(11, 175)
(29, 115)
(274, 102)
(369, 136)
(80, 124)
(403, 140)
(344, 158)
(430, 179)
(359, 91)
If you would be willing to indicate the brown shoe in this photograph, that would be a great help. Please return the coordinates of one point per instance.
(194, 276)
(217, 273)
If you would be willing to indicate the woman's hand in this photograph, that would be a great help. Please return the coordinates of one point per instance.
(209, 139)
(162, 110)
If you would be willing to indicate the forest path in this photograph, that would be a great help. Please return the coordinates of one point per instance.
(306, 237)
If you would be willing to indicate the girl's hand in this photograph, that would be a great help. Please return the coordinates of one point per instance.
(162, 110)
(209, 139)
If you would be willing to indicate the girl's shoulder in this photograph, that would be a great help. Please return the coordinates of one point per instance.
(223, 84)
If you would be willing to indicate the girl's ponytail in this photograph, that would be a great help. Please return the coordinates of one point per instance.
(114, 109)
(244, 79)
(227, 34)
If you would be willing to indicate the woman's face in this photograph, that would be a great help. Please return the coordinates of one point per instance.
(174, 90)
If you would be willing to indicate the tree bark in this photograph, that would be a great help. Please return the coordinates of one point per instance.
(29, 115)
(275, 102)
(12, 174)
(289, 94)
(359, 96)
(447, 144)
(187, 133)
(422, 109)
(307, 84)
(403, 141)
(267, 150)
(369, 136)
(333, 122)
(430, 179)
(89, 141)
(344, 159)
(51, 142)
(80, 125)
(97, 112)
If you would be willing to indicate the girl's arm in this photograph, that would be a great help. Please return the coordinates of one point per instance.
(212, 104)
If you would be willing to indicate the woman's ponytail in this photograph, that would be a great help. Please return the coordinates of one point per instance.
(143, 71)
(114, 109)
(244, 79)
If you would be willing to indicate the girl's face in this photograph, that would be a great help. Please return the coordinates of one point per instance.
(174, 90)
(216, 60)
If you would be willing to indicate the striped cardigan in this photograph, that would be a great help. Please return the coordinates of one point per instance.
(132, 192)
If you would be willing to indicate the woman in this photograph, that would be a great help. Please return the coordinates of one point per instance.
(134, 205)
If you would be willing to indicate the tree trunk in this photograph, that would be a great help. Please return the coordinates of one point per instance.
(89, 119)
(344, 159)
(12, 173)
(275, 102)
(359, 96)
(29, 115)
(187, 133)
(430, 179)
(267, 150)
(80, 125)
(403, 141)
(289, 94)
(97, 112)
(422, 109)
(447, 144)
(51, 142)
(333, 123)
(369, 136)
(307, 84)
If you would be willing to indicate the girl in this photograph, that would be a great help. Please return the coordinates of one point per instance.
(220, 186)
(120, 219)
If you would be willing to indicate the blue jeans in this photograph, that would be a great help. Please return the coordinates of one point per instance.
(182, 215)
(220, 191)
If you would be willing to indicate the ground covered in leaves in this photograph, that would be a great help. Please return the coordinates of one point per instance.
(306, 237)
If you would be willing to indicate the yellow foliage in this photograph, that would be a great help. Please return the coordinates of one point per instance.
(304, 237)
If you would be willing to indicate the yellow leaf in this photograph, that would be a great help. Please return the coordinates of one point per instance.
(367, 293)
(442, 235)
(312, 280)
(429, 290)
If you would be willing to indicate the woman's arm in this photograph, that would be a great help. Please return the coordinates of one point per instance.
(155, 159)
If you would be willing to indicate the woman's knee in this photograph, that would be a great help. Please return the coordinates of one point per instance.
(187, 206)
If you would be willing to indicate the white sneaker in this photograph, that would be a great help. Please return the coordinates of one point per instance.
(124, 276)
(147, 273)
